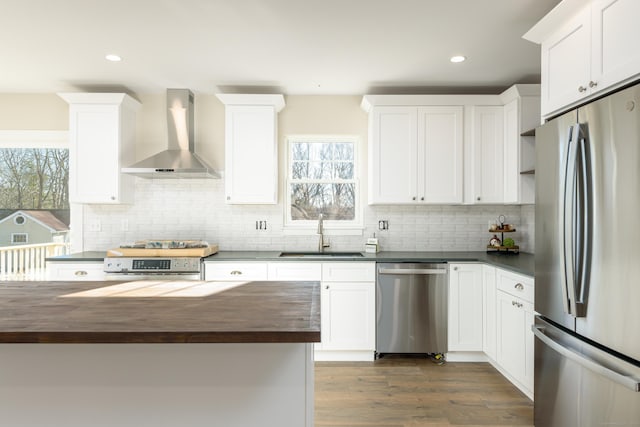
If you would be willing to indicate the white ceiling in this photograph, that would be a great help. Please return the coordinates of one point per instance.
(284, 46)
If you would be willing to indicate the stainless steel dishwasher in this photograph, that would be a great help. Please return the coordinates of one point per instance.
(411, 308)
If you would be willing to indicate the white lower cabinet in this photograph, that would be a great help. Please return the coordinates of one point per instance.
(236, 271)
(515, 316)
(75, 271)
(347, 298)
(465, 308)
(348, 305)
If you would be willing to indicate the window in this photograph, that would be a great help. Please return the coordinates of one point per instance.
(322, 178)
(19, 237)
(19, 220)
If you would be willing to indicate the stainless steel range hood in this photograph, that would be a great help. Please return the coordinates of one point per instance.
(180, 159)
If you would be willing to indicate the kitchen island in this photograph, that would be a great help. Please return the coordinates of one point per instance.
(242, 357)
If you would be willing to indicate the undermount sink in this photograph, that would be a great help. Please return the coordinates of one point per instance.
(320, 254)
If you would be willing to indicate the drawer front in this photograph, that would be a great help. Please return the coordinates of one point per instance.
(235, 271)
(348, 272)
(515, 284)
(75, 271)
(295, 271)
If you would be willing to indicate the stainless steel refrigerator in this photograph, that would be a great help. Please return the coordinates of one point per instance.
(587, 268)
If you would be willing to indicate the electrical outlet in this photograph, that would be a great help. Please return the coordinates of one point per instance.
(383, 224)
(261, 225)
(94, 225)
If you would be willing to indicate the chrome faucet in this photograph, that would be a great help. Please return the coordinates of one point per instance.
(321, 243)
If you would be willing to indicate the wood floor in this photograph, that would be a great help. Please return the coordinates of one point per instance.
(413, 392)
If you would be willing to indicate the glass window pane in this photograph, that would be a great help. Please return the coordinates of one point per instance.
(300, 151)
(343, 151)
(343, 170)
(335, 201)
(299, 170)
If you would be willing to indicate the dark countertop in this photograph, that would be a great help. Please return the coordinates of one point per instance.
(256, 312)
(520, 263)
(80, 256)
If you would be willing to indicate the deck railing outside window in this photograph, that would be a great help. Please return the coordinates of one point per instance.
(27, 262)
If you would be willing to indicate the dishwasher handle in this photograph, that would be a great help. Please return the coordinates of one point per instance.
(412, 271)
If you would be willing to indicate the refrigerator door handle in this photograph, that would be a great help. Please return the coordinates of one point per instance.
(625, 380)
(568, 221)
(583, 235)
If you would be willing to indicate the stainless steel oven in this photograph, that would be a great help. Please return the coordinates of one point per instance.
(165, 268)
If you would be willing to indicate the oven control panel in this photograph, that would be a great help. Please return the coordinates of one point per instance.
(152, 265)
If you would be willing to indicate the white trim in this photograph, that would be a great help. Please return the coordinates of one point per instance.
(274, 100)
(34, 139)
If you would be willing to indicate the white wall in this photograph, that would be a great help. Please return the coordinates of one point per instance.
(193, 209)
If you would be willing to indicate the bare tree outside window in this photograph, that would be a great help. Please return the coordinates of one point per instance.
(322, 180)
(34, 178)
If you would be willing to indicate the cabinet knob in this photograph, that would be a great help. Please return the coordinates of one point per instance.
(593, 84)
(422, 198)
(236, 273)
(413, 198)
(582, 89)
(81, 273)
(455, 268)
(519, 286)
(113, 197)
(326, 287)
(478, 198)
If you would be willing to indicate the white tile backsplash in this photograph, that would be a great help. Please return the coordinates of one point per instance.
(195, 209)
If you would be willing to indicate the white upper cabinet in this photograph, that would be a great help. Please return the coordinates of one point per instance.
(488, 146)
(521, 117)
(393, 160)
(102, 140)
(440, 157)
(415, 154)
(586, 49)
(251, 148)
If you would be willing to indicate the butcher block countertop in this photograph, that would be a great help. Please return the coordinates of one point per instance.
(255, 312)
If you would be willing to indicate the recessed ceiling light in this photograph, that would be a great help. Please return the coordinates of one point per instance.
(113, 58)
(458, 58)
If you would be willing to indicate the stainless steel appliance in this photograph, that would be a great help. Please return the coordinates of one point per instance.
(587, 351)
(411, 308)
(136, 268)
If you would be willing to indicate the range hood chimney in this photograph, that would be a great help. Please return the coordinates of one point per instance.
(180, 159)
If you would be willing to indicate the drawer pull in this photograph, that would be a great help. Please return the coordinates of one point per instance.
(81, 273)
(236, 272)
(519, 286)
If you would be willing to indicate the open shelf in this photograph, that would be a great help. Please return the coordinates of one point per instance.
(530, 132)
(528, 172)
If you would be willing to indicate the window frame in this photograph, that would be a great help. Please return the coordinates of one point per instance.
(331, 227)
(14, 235)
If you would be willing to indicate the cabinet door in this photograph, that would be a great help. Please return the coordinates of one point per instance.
(392, 155)
(95, 155)
(489, 299)
(348, 316)
(616, 33)
(566, 63)
(465, 307)
(488, 147)
(251, 155)
(515, 339)
(440, 174)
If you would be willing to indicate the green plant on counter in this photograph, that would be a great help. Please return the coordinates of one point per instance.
(508, 242)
